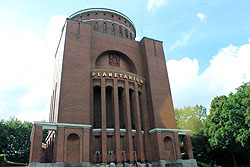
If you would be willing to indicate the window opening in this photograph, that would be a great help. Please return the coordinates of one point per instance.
(104, 26)
(120, 27)
(126, 33)
(96, 25)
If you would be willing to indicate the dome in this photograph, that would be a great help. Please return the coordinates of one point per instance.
(107, 21)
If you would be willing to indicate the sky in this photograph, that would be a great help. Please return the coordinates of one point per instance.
(206, 45)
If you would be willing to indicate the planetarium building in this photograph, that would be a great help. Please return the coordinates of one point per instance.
(111, 99)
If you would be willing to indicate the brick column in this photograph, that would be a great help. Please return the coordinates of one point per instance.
(177, 146)
(144, 109)
(129, 142)
(36, 144)
(139, 139)
(188, 146)
(60, 147)
(103, 113)
(85, 144)
(117, 124)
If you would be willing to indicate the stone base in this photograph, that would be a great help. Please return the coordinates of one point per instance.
(175, 163)
(160, 163)
(60, 164)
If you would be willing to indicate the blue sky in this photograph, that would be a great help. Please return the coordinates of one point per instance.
(206, 44)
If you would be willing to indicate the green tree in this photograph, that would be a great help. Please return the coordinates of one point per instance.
(191, 118)
(227, 126)
(15, 139)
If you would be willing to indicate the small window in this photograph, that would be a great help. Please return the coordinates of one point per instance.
(119, 18)
(125, 21)
(96, 25)
(112, 15)
(131, 35)
(88, 14)
(80, 16)
(104, 14)
(113, 28)
(96, 13)
(104, 26)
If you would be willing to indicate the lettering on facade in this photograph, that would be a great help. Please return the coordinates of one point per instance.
(117, 75)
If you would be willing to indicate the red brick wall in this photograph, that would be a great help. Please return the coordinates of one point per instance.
(74, 104)
(160, 101)
(36, 144)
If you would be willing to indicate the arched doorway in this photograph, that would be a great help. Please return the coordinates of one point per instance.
(73, 148)
(168, 146)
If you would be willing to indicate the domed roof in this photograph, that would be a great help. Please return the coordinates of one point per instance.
(92, 10)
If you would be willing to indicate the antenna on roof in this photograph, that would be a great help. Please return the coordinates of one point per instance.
(141, 33)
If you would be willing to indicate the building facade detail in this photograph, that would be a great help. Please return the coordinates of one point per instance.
(111, 100)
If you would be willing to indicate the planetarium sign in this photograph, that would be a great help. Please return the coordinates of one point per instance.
(120, 75)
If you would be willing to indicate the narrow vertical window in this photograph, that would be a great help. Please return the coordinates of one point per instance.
(113, 28)
(126, 33)
(104, 26)
(120, 28)
(96, 25)
(78, 28)
(131, 35)
(97, 118)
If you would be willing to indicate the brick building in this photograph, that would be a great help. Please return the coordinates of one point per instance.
(111, 98)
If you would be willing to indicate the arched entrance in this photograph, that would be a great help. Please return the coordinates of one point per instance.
(168, 146)
(73, 148)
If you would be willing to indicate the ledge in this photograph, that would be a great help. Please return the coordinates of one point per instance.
(180, 131)
(53, 126)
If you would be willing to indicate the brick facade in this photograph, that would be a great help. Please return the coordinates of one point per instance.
(111, 99)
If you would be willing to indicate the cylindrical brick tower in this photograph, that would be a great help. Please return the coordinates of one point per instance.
(111, 99)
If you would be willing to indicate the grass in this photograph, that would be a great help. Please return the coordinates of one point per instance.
(4, 162)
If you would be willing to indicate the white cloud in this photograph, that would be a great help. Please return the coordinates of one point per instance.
(26, 70)
(153, 4)
(201, 16)
(185, 37)
(228, 69)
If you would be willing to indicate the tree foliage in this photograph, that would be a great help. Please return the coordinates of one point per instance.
(15, 139)
(227, 126)
(191, 118)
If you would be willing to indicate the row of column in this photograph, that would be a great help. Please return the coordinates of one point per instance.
(128, 123)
